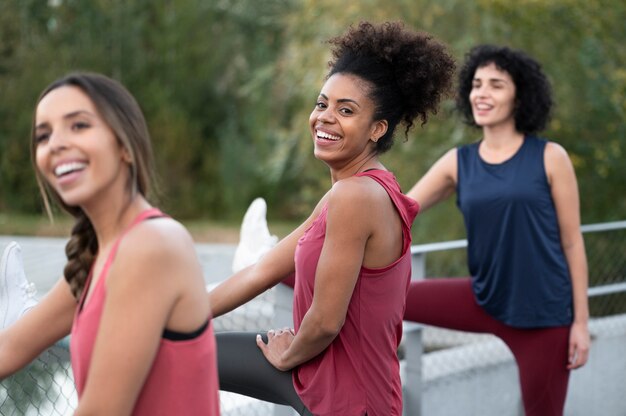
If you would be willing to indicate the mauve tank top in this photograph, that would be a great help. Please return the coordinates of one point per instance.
(183, 376)
(359, 371)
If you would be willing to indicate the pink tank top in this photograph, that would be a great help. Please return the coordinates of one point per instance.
(183, 377)
(359, 372)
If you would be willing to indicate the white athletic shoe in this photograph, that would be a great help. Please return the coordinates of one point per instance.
(255, 239)
(17, 295)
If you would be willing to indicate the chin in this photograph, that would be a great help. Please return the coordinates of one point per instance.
(319, 154)
(72, 199)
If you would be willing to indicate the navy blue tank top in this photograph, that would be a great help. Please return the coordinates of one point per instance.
(519, 272)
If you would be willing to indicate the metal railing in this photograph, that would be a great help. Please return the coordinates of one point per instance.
(420, 251)
(46, 388)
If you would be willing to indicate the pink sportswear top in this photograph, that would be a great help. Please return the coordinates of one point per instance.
(183, 377)
(358, 372)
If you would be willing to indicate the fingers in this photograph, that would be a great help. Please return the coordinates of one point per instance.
(577, 358)
(572, 358)
(259, 342)
(277, 332)
(572, 354)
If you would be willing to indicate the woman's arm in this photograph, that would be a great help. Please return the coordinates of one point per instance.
(153, 274)
(564, 188)
(349, 226)
(253, 280)
(40, 328)
(438, 183)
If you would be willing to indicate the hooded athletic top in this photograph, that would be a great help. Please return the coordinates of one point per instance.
(358, 372)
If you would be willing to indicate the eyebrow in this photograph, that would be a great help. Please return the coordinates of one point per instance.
(67, 117)
(490, 80)
(342, 100)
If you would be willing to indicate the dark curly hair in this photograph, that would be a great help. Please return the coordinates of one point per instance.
(409, 72)
(533, 93)
(122, 113)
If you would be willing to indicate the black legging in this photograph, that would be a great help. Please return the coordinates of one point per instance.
(243, 369)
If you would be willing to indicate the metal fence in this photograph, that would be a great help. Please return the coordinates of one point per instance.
(46, 386)
(605, 245)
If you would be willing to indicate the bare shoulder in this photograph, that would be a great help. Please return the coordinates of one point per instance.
(358, 203)
(556, 158)
(158, 236)
(450, 154)
(446, 166)
(155, 251)
(448, 162)
(558, 165)
(356, 192)
(555, 153)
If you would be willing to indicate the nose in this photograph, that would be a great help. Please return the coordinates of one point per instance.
(326, 115)
(56, 141)
(480, 91)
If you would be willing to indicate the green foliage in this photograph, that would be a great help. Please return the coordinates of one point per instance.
(227, 87)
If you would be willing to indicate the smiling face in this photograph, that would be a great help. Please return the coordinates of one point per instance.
(342, 125)
(493, 97)
(76, 152)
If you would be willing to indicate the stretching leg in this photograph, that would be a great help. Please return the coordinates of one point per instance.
(243, 369)
(541, 354)
(447, 303)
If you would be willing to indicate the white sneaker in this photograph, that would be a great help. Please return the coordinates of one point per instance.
(17, 295)
(254, 239)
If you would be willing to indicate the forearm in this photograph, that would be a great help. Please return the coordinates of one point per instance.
(235, 291)
(577, 264)
(313, 338)
(34, 332)
(10, 359)
(15, 355)
(7, 363)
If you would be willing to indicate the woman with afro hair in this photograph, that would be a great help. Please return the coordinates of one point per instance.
(351, 257)
(519, 199)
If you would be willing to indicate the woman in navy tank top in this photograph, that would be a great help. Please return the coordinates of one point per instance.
(519, 199)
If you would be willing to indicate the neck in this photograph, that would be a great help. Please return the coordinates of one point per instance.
(501, 136)
(111, 220)
(369, 161)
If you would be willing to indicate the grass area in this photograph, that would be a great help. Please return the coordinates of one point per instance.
(35, 225)
(203, 231)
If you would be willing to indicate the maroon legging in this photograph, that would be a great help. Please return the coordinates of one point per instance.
(541, 354)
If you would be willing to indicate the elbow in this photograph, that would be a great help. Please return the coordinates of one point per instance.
(571, 241)
(323, 323)
(330, 328)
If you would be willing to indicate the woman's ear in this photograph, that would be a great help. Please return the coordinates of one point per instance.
(126, 157)
(378, 130)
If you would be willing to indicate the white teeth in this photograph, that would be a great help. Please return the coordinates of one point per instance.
(68, 167)
(483, 106)
(323, 135)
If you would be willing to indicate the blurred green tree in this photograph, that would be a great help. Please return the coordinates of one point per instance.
(227, 87)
